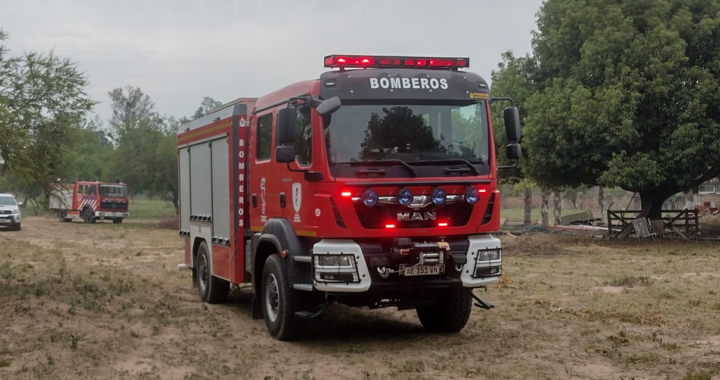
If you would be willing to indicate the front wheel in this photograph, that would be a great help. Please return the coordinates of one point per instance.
(117, 220)
(280, 302)
(18, 227)
(450, 314)
(211, 288)
(89, 216)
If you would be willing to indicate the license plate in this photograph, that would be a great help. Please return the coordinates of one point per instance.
(5, 221)
(426, 270)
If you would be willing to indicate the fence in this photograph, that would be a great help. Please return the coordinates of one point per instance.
(674, 220)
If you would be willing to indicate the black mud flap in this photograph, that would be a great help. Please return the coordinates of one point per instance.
(256, 308)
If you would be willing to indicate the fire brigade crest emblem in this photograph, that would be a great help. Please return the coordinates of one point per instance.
(297, 199)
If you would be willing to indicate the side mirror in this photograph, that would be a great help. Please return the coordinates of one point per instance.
(512, 124)
(285, 154)
(514, 151)
(329, 106)
(19, 203)
(286, 125)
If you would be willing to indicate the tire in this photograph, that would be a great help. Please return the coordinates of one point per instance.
(280, 302)
(89, 215)
(450, 314)
(61, 215)
(117, 220)
(18, 227)
(211, 289)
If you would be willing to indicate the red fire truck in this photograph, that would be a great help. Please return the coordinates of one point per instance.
(374, 185)
(90, 201)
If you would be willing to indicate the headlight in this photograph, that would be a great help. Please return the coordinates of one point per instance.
(336, 268)
(16, 211)
(489, 255)
(335, 261)
(405, 197)
(370, 198)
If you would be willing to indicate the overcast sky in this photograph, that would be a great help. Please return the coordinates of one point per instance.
(180, 51)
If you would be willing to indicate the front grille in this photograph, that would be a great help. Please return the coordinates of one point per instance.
(5, 212)
(111, 205)
(456, 214)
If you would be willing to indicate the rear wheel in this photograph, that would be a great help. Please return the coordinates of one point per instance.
(210, 288)
(280, 302)
(117, 220)
(89, 215)
(449, 314)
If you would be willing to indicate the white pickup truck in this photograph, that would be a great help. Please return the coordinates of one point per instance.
(10, 211)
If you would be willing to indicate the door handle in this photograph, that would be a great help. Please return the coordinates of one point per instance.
(282, 200)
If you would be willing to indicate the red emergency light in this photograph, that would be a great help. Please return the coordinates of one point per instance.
(375, 61)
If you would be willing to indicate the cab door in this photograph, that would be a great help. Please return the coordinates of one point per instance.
(300, 208)
(264, 175)
(78, 199)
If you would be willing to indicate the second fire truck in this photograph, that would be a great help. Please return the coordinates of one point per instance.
(91, 201)
(373, 185)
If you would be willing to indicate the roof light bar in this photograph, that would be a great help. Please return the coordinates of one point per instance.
(376, 61)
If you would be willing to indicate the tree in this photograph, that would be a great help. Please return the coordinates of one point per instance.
(628, 96)
(42, 98)
(207, 105)
(513, 80)
(146, 153)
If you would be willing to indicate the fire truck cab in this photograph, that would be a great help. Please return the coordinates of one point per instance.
(374, 185)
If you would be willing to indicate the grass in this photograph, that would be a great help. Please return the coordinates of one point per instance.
(89, 306)
(143, 208)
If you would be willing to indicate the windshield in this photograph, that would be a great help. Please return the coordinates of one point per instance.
(408, 132)
(112, 191)
(7, 201)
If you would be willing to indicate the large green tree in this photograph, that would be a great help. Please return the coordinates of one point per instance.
(146, 154)
(627, 95)
(42, 98)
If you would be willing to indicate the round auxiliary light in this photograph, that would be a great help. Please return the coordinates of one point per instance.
(471, 195)
(405, 197)
(438, 196)
(370, 198)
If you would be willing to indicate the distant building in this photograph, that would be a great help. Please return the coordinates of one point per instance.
(708, 192)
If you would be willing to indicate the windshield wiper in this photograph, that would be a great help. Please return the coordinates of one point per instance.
(390, 162)
(451, 161)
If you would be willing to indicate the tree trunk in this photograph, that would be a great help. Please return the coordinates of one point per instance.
(652, 203)
(558, 207)
(175, 202)
(601, 202)
(544, 195)
(528, 207)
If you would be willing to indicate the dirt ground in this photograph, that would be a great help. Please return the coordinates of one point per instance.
(107, 301)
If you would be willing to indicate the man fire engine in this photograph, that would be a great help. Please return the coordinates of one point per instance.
(374, 185)
(90, 201)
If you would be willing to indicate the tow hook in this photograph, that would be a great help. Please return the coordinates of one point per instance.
(310, 314)
(482, 304)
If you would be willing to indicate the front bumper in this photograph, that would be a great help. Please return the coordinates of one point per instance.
(10, 219)
(111, 214)
(365, 277)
